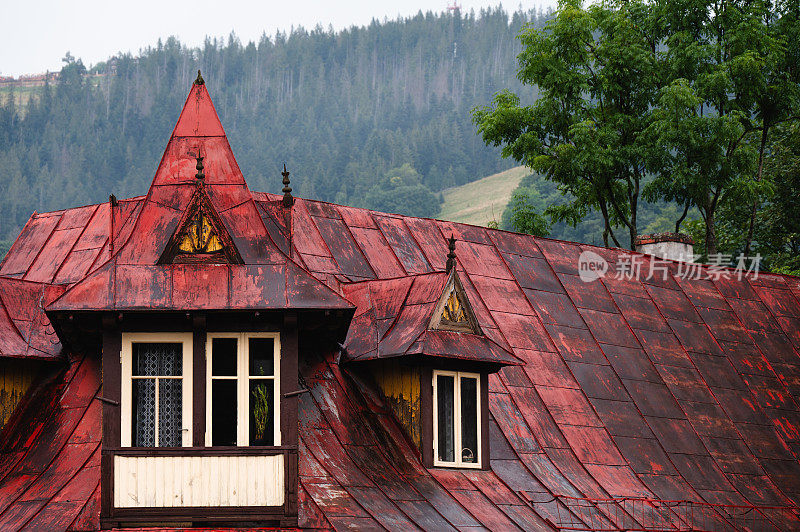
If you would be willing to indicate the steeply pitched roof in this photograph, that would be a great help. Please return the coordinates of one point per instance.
(25, 330)
(393, 316)
(663, 388)
(50, 453)
(134, 279)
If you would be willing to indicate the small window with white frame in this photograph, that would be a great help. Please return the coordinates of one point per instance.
(456, 419)
(156, 402)
(242, 391)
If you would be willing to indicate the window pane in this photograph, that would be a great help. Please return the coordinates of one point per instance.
(262, 357)
(262, 412)
(445, 415)
(157, 358)
(144, 413)
(170, 410)
(223, 412)
(469, 420)
(223, 357)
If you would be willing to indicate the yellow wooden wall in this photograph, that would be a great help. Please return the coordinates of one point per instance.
(400, 384)
(15, 379)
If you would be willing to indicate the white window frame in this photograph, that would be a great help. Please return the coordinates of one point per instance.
(126, 386)
(243, 384)
(456, 419)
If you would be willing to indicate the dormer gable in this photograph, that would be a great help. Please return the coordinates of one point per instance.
(453, 312)
(201, 236)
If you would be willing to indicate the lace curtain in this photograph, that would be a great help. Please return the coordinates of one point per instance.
(153, 363)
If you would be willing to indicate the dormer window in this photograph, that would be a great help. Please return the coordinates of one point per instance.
(200, 307)
(243, 372)
(156, 396)
(456, 419)
(421, 341)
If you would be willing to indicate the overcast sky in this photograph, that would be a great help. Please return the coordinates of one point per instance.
(36, 34)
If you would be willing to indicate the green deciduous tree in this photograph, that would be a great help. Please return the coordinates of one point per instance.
(654, 100)
(729, 80)
(401, 191)
(778, 230)
(524, 217)
(597, 73)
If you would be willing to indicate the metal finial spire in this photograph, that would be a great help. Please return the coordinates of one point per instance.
(451, 255)
(199, 80)
(200, 175)
(288, 200)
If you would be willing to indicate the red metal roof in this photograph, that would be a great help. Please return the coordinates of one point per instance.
(50, 453)
(392, 319)
(133, 278)
(662, 389)
(25, 330)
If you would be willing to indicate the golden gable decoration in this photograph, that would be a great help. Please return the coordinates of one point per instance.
(201, 236)
(453, 311)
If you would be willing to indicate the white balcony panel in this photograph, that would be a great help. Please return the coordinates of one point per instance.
(198, 481)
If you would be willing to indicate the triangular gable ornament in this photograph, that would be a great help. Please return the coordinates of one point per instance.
(453, 311)
(201, 236)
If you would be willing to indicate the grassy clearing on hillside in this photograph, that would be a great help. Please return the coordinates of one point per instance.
(483, 200)
(21, 96)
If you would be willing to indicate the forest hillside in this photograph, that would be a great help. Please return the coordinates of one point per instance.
(376, 116)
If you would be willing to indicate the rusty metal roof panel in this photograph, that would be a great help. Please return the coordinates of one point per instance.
(670, 391)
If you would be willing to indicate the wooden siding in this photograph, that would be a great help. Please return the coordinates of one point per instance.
(16, 377)
(400, 384)
(193, 481)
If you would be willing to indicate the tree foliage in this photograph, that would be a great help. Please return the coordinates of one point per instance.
(730, 78)
(596, 71)
(778, 229)
(401, 192)
(672, 100)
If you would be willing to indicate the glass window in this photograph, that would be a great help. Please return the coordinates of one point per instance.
(224, 400)
(469, 420)
(456, 419)
(157, 398)
(445, 404)
(225, 357)
(154, 410)
(242, 406)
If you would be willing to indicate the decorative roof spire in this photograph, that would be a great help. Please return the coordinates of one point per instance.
(200, 175)
(288, 200)
(451, 255)
(199, 80)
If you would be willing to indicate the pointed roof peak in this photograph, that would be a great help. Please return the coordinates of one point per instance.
(198, 117)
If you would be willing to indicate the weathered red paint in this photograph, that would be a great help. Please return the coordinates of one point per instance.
(669, 389)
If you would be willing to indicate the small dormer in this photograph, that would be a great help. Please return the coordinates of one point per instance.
(419, 339)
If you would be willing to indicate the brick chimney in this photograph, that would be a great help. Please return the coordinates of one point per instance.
(673, 246)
